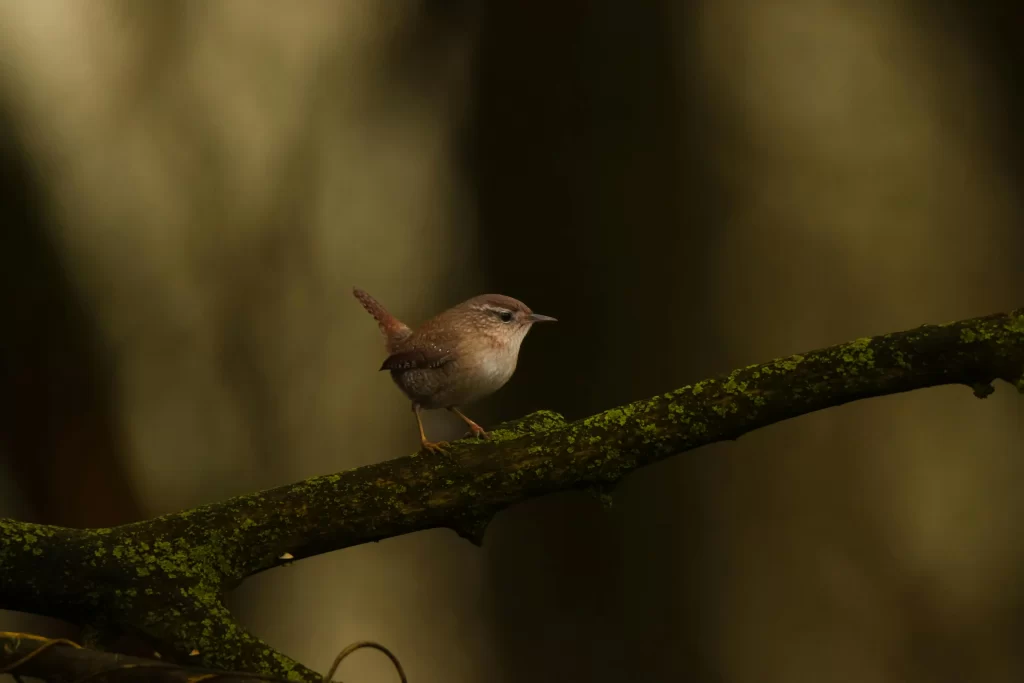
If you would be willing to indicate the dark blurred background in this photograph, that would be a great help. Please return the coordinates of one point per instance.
(189, 190)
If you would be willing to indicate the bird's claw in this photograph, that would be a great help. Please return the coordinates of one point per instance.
(435, 446)
(478, 432)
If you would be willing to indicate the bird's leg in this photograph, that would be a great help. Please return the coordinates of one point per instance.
(474, 428)
(431, 446)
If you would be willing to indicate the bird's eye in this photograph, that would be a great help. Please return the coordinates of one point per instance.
(506, 316)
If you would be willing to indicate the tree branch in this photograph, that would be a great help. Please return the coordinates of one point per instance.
(60, 661)
(164, 577)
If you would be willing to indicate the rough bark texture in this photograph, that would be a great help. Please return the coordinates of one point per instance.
(164, 578)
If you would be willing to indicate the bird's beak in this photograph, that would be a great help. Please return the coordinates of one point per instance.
(537, 318)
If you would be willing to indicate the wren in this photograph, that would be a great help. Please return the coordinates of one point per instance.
(457, 357)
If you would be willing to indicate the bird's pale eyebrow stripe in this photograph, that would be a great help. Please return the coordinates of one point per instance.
(496, 309)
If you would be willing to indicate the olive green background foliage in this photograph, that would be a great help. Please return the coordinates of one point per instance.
(191, 189)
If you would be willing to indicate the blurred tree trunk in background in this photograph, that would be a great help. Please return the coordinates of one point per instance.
(58, 431)
(594, 205)
(192, 189)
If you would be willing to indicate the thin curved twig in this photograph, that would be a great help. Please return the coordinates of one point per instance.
(44, 645)
(329, 676)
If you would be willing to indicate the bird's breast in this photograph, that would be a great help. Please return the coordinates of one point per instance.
(484, 373)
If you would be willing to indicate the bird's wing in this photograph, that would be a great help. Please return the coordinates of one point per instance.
(423, 356)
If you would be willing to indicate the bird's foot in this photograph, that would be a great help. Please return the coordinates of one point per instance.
(477, 431)
(434, 446)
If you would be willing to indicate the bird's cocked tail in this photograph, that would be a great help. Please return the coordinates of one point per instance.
(390, 326)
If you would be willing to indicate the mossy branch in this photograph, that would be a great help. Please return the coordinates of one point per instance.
(164, 578)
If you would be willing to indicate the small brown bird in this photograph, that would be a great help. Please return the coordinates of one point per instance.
(459, 356)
